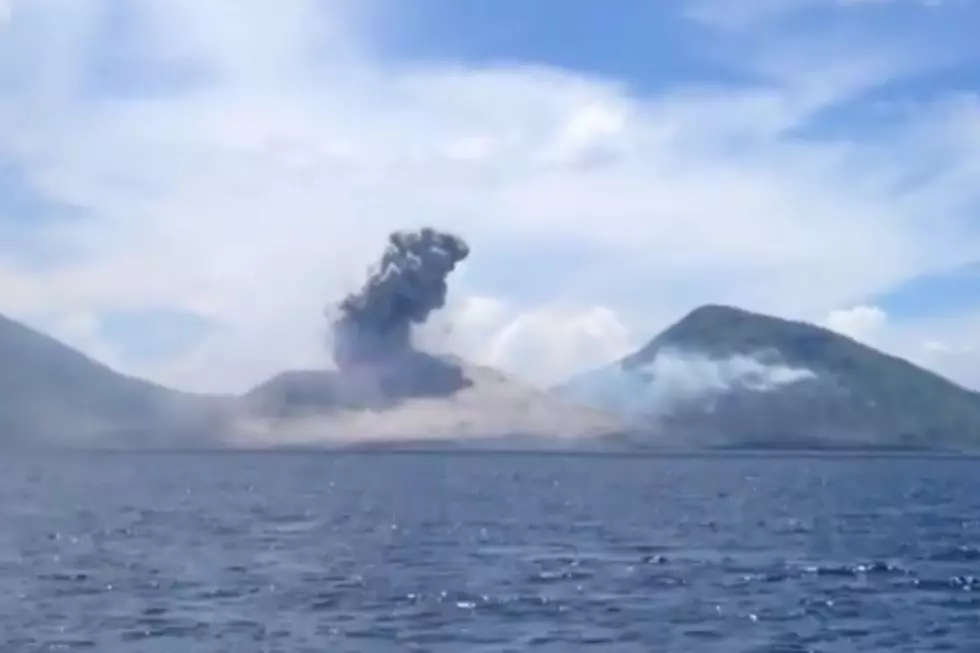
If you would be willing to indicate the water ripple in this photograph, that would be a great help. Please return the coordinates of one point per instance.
(495, 553)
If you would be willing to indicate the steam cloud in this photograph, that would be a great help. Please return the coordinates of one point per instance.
(675, 377)
(375, 323)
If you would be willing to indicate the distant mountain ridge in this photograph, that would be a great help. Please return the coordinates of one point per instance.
(769, 382)
(721, 377)
(51, 394)
(54, 396)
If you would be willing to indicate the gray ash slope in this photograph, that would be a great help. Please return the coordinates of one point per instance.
(327, 408)
(757, 381)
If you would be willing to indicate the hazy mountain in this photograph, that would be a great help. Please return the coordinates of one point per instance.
(51, 394)
(421, 400)
(722, 376)
(719, 377)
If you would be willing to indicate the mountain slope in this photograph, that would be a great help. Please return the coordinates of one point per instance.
(324, 408)
(51, 394)
(722, 376)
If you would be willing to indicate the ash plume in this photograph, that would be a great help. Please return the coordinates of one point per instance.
(375, 323)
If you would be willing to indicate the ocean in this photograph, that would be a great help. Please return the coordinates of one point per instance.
(295, 552)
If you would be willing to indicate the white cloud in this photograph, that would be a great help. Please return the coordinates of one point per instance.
(949, 345)
(859, 322)
(264, 187)
(551, 345)
(547, 343)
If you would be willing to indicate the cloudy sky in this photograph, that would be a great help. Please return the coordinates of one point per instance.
(184, 185)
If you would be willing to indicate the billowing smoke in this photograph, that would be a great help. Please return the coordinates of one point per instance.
(676, 377)
(375, 323)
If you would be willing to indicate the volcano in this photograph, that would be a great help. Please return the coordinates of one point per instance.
(420, 398)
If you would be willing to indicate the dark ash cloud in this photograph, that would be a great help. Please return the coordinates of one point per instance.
(374, 324)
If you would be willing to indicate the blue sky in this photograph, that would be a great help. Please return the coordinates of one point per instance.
(184, 185)
(653, 45)
(646, 45)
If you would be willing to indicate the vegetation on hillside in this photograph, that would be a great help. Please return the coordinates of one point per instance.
(857, 396)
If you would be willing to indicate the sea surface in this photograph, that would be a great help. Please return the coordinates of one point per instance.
(460, 552)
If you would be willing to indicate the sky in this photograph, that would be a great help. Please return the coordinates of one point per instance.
(186, 185)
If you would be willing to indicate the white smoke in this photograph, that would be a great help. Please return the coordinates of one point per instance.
(686, 375)
(675, 377)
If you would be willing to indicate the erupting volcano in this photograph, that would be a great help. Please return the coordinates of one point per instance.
(385, 389)
(374, 324)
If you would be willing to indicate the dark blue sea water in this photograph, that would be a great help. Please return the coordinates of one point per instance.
(313, 552)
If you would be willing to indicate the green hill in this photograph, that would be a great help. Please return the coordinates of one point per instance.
(771, 382)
